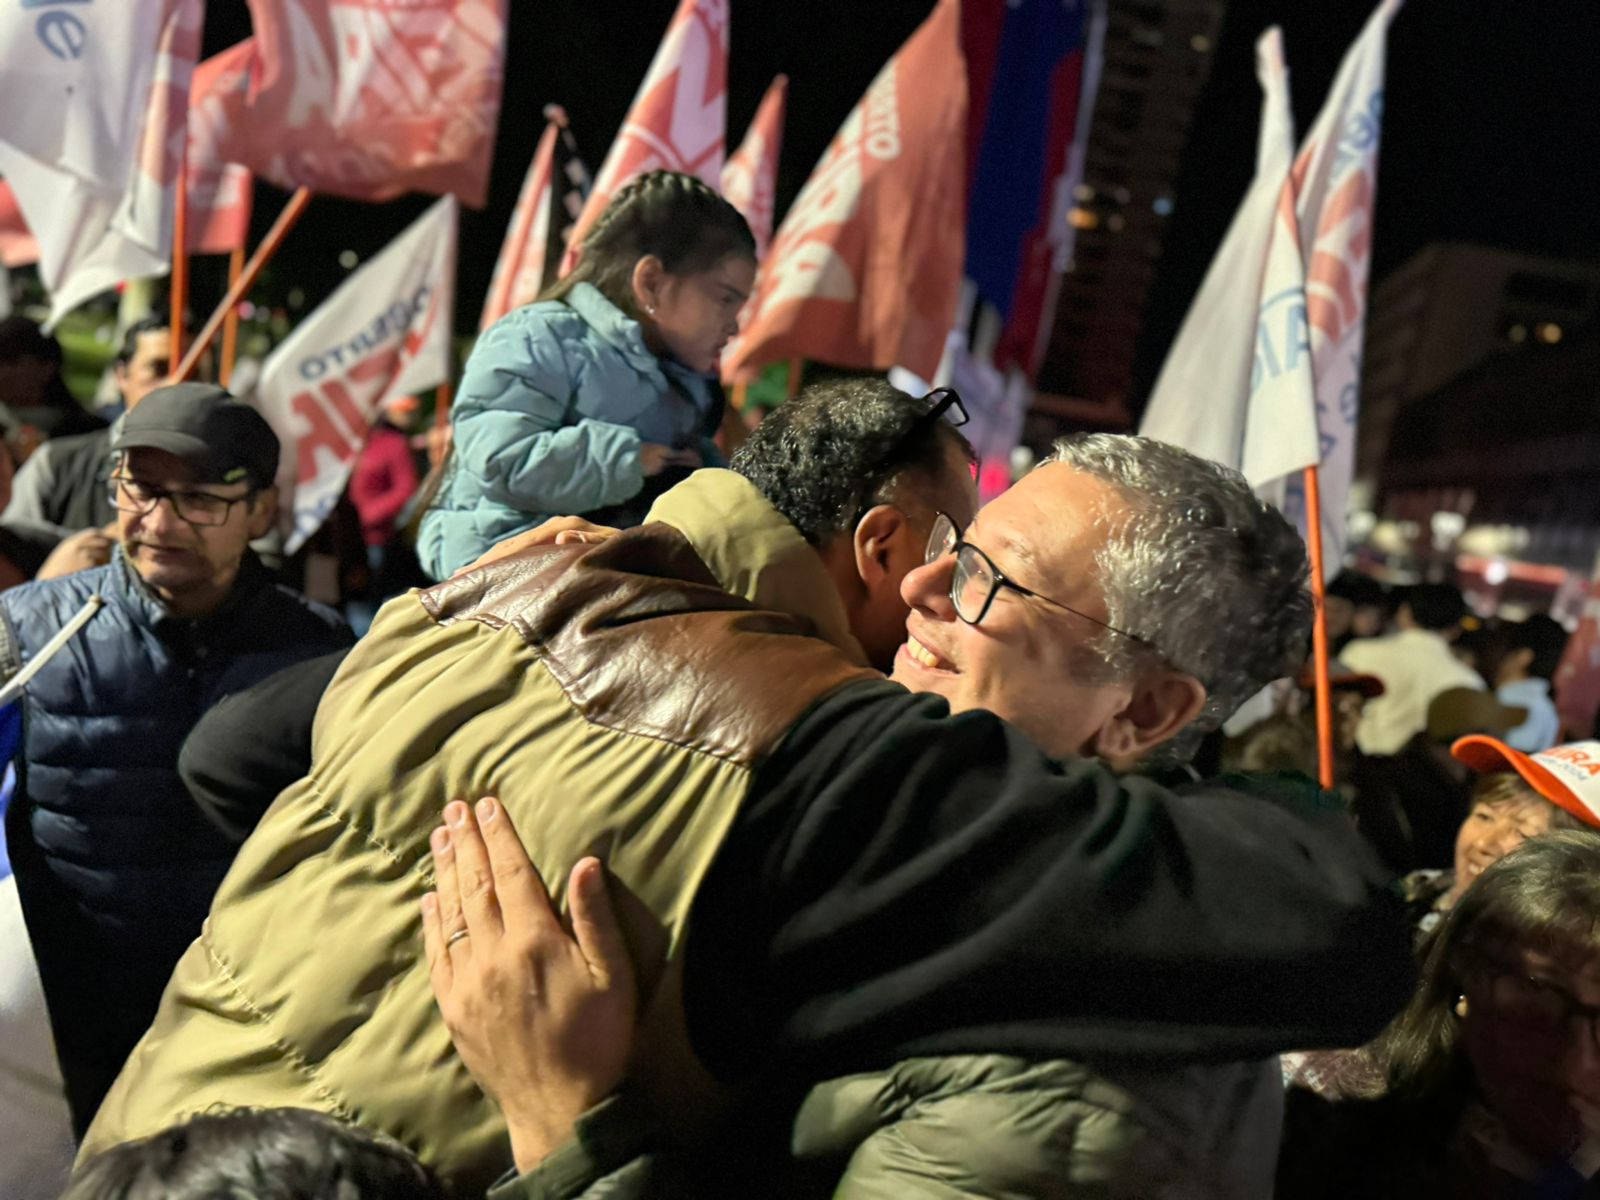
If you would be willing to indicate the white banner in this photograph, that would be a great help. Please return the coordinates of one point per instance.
(1335, 182)
(385, 333)
(93, 106)
(1237, 385)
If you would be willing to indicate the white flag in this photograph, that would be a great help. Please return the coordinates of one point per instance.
(385, 333)
(1335, 182)
(94, 101)
(1237, 384)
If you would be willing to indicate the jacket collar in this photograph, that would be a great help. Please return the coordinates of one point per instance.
(754, 552)
(614, 327)
(129, 590)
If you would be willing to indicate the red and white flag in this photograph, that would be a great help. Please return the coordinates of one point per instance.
(1335, 183)
(93, 108)
(370, 101)
(384, 333)
(1237, 385)
(18, 246)
(750, 180)
(678, 115)
(551, 199)
(866, 269)
(219, 188)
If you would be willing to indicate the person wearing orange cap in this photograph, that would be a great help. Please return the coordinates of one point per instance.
(1519, 796)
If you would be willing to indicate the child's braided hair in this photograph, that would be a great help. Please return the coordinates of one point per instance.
(676, 217)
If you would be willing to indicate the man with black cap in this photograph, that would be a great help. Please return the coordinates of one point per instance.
(114, 863)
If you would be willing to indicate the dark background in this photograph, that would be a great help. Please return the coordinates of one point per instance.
(1490, 133)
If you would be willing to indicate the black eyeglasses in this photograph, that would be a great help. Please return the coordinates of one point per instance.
(976, 580)
(197, 508)
(941, 403)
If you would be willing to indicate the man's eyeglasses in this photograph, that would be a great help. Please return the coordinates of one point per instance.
(976, 580)
(197, 508)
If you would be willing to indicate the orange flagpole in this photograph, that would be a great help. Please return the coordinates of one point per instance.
(230, 323)
(797, 368)
(180, 253)
(1319, 631)
(291, 213)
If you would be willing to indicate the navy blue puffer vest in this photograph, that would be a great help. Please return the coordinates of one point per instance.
(115, 864)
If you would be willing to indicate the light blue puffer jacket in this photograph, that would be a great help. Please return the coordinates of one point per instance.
(554, 403)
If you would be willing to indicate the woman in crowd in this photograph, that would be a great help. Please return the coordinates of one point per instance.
(603, 394)
(1488, 1083)
(1518, 797)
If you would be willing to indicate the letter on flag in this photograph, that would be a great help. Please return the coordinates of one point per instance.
(677, 118)
(866, 269)
(384, 333)
(1237, 384)
(750, 180)
(369, 101)
(551, 199)
(93, 107)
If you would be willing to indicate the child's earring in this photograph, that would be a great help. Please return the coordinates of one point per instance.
(651, 309)
(1461, 1005)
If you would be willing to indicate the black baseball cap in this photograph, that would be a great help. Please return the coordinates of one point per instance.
(222, 438)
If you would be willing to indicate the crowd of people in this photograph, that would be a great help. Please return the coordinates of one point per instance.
(758, 820)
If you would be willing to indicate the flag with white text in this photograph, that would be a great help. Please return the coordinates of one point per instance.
(384, 333)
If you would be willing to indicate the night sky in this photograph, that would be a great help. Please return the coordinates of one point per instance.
(1490, 130)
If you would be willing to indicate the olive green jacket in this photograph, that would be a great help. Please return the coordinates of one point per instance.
(615, 698)
(984, 1126)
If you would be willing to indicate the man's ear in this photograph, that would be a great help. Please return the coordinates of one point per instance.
(1160, 707)
(649, 275)
(263, 513)
(881, 544)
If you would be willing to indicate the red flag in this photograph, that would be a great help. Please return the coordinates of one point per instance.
(18, 247)
(750, 179)
(552, 196)
(866, 269)
(219, 189)
(676, 122)
(369, 100)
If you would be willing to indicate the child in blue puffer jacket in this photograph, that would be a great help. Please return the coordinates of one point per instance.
(602, 394)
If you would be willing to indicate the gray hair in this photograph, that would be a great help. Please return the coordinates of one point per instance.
(1203, 570)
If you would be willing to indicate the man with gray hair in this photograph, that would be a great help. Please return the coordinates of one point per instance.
(1013, 973)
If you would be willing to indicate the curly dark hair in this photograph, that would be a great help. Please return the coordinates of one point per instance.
(841, 447)
(265, 1154)
(676, 217)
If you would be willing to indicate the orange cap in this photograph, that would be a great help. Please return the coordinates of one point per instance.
(1567, 775)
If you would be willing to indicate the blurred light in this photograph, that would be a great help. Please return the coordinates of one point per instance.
(1162, 206)
(1518, 333)
(297, 297)
(1200, 43)
(1082, 218)
(1446, 527)
(1496, 572)
(348, 259)
(246, 310)
(1115, 222)
(1548, 333)
(1123, 195)
(1084, 192)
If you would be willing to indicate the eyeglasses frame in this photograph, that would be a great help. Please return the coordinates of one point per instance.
(163, 494)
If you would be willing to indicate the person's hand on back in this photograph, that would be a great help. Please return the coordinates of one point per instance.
(79, 552)
(542, 1019)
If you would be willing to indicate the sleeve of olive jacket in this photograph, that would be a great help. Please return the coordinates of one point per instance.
(608, 1157)
(904, 882)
